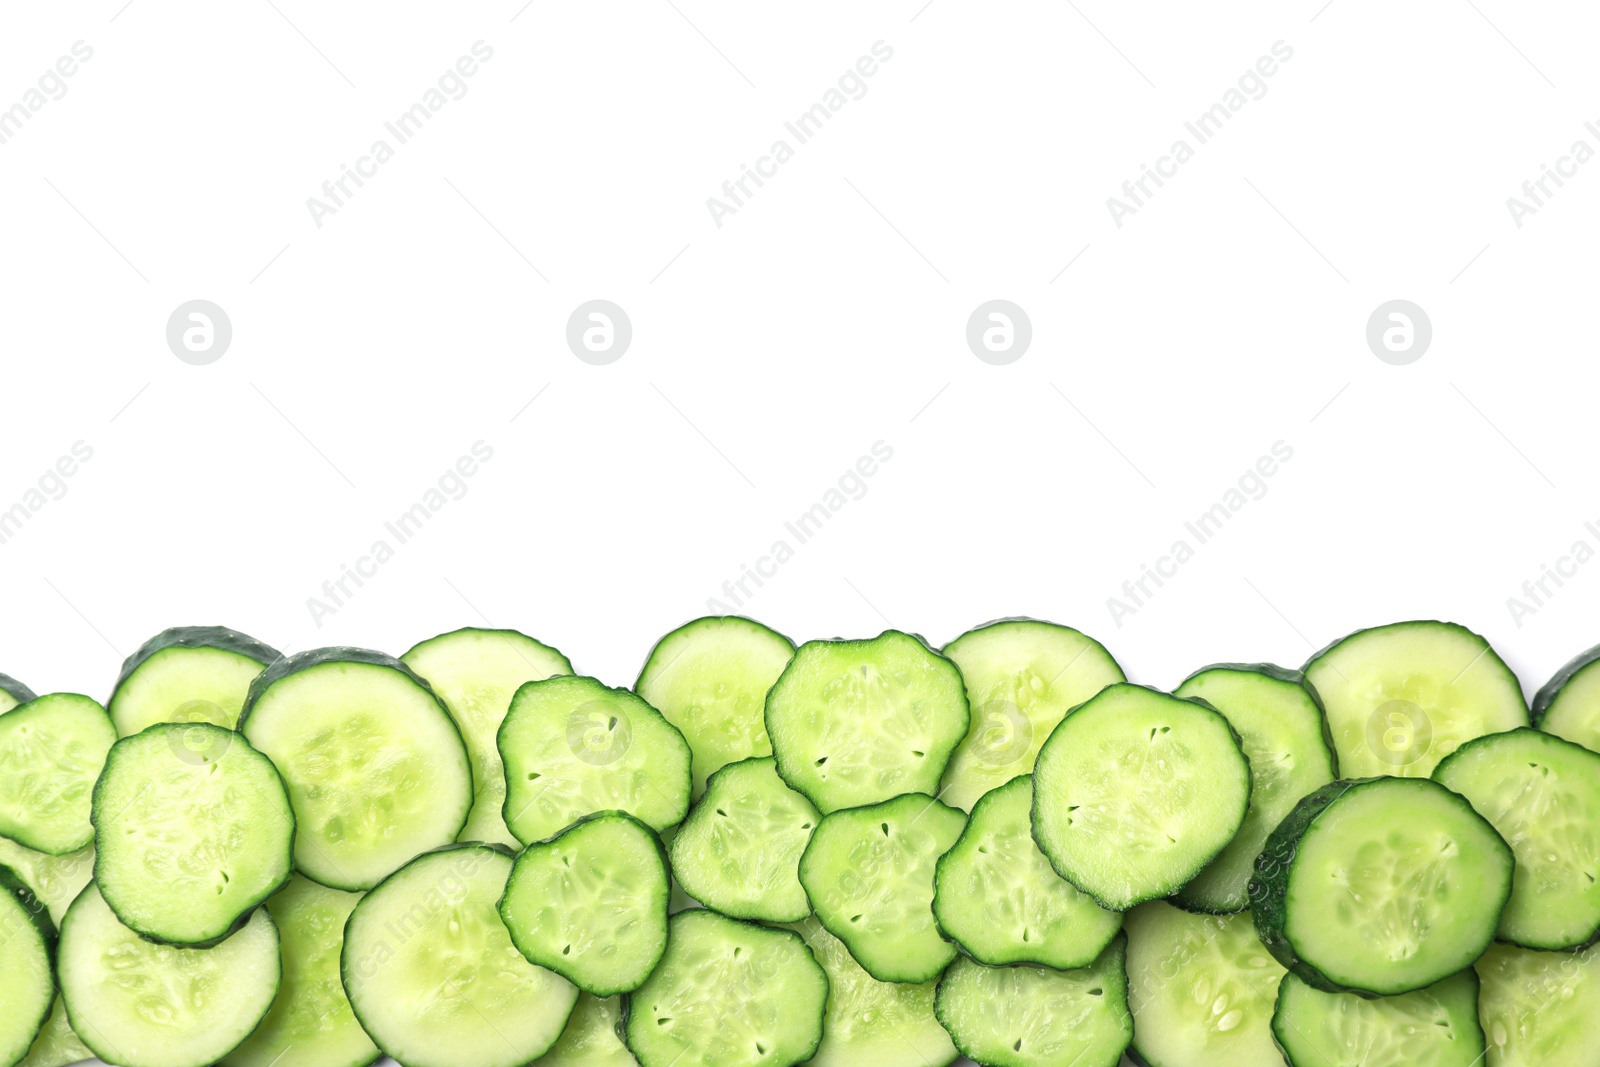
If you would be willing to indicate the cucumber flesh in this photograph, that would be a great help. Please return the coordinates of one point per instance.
(1433, 1027)
(54, 880)
(1540, 1009)
(56, 1045)
(27, 943)
(13, 693)
(188, 674)
(591, 1039)
(51, 751)
(1569, 704)
(1023, 677)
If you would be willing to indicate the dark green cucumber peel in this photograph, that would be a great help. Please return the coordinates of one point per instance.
(219, 637)
(1548, 692)
(316, 657)
(19, 692)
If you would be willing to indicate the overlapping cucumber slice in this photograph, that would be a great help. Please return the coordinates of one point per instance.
(188, 674)
(27, 947)
(1539, 1009)
(51, 751)
(1568, 705)
(591, 1038)
(13, 693)
(1432, 1027)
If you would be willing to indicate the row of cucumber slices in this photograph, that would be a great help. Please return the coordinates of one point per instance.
(471, 856)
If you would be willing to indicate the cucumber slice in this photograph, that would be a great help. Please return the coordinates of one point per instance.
(54, 880)
(188, 674)
(433, 976)
(1028, 1016)
(885, 1024)
(869, 874)
(1202, 989)
(51, 752)
(375, 766)
(591, 1038)
(1023, 677)
(1543, 795)
(310, 1023)
(1540, 1009)
(56, 1045)
(140, 1004)
(1433, 1027)
(27, 944)
(572, 747)
(12, 693)
(1569, 704)
(998, 898)
(710, 679)
(591, 903)
(859, 722)
(1135, 792)
(1380, 886)
(192, 830)
(1284, 736)
(1402, 697)
(476, 672)
(739, 849)
(728, 994)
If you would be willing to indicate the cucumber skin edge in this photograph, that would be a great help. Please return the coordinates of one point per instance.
(218, 637)
(19, 692)
(1477, 1022)
(1548, 692)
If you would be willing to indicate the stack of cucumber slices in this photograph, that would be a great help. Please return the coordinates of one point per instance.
(850, 853)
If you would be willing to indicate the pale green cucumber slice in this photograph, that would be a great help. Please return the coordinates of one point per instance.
(55, 880)
(1568, 705)
(591, 1038)
(1023, 677)
(1540, 1009)
(998, 898)
(51, 752)
(476, 672)
(13, 693)
(188, 674)
(1433, 1027)
(27, 943)
(56, 1045)
(710, 679)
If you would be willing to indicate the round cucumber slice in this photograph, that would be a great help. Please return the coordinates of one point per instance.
(376, 769)
(868, 872)
(12, 693)
(591, 1039)
(859, 722)
(739, 849)
(476, 672)
(1433, 1027)
(1023, 677)
(1569, 704)
(728, 993)
(1136, 792)
(998, 898)
(1402, 697)
(188, 674)
(56, 1045)
(433, 976)
(1380, 886)
(27, 944)
(51, 751)
(1539, 1009)
(710, 679)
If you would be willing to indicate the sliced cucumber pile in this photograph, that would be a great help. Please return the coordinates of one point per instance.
(188, 674)
(1540, 1009)
(51, 751)
(1432, 1027)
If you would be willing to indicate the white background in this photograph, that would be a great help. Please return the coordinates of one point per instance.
(825, 315)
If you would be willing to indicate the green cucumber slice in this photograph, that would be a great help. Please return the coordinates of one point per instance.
(1539, 1009)
(51, 752)
(739, 849)
(591, 903)
(310, 1023)
(12, 693)
(188, 674)
(1380, 886)
(433, 976)
(27, 944)
(1543, 795)
(998, 898)
(56, 1045)
(1023, 677)
(728, 994)
(710, 679)
(476, 672)
(572, 747)
(1433, 1027)
(55, 880)
(1402, 697)
(1136, 792)
(140, 1004)
(1202, 989)
(375, 766)
(591, 1038)
(1029, 1016)
(193, 829)
(1284, 736)
(859, 722)
(1568, 705)
(868, 872)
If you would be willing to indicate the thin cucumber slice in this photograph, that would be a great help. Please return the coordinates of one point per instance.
(51, 752)
(1380, 886)
(1402, 697)
(193, 829)
(140, 1004)
(433, 976)
(859, 722)
(310, 1023)
(710, 679)
(1202, 989)
(375, 766)
(998, 898)
(56, 1045)
(1569, 704)
(591, 903)
(572, 747)
(885, 1024)
(1543, 795)
(868, 872)
(1028, 1016)
(1135, 792)
(476, 672)
(188, 674)
(1540, 1009)
(12, 693)
(1433, 1027)
(54, 880)
(1023, 677)
(591, 1038)
(27, 944)
(728, 994)
(1285, 737)
(739, 849)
